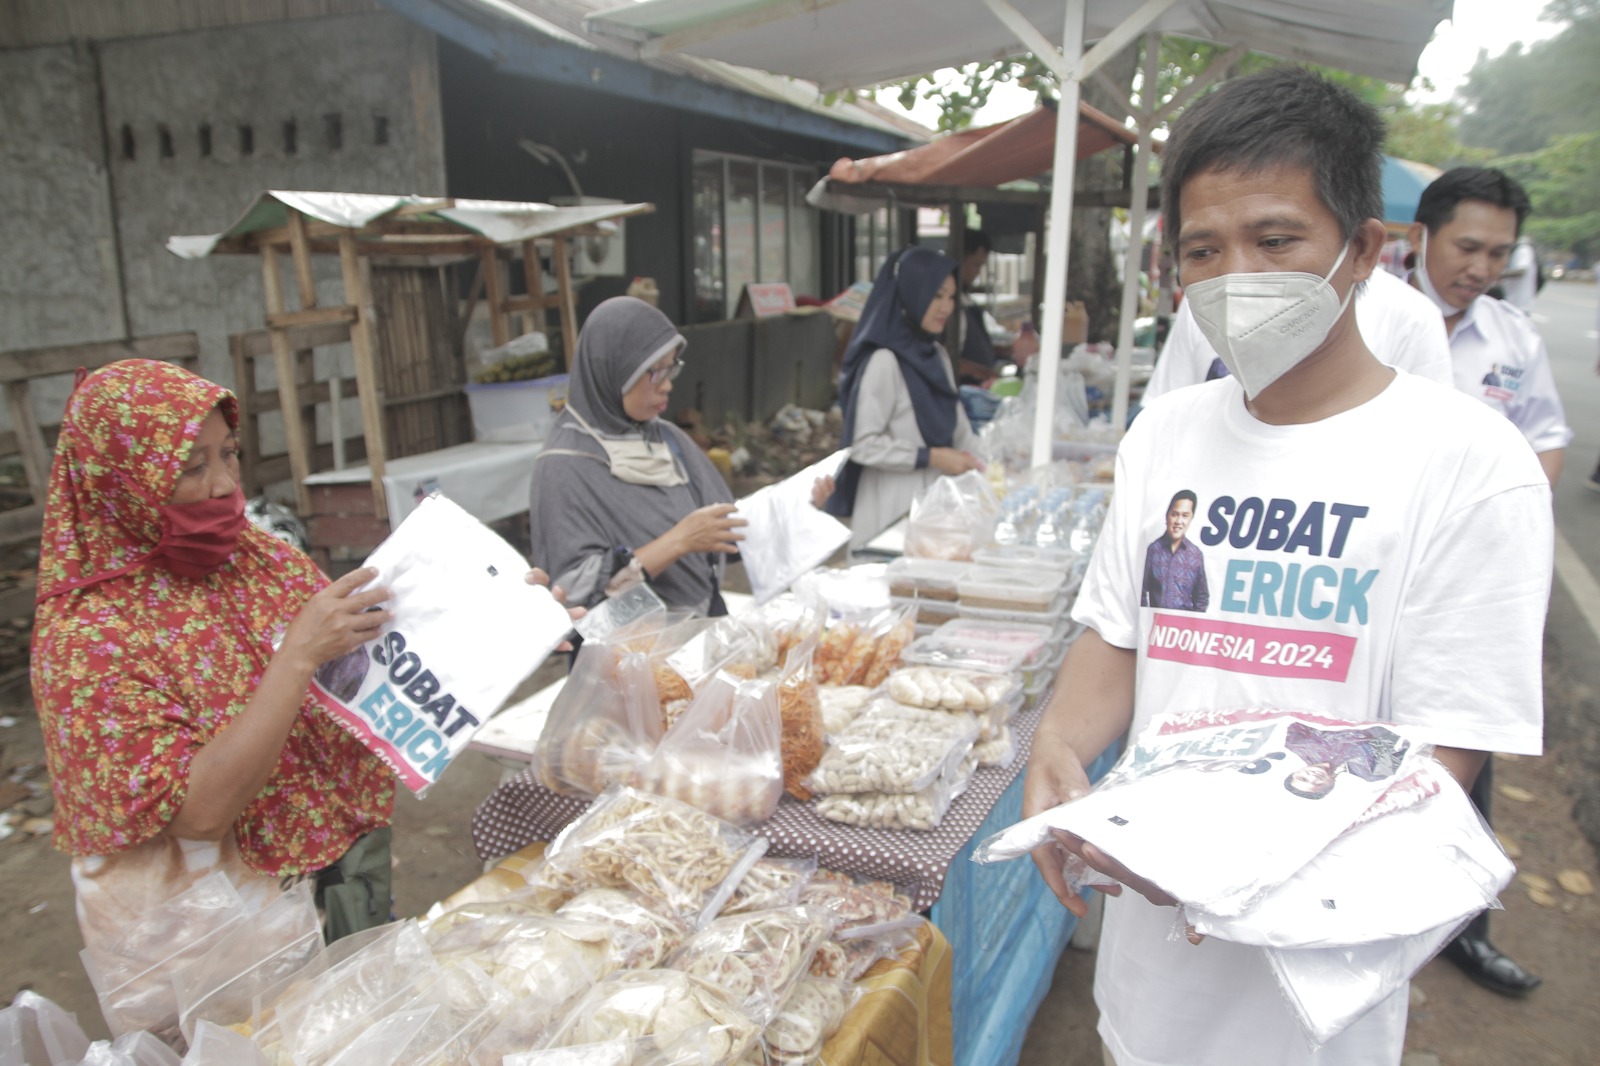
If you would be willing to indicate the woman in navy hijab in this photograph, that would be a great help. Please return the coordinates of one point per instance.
(903, 421)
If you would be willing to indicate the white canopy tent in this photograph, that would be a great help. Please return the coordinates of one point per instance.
(845, 43)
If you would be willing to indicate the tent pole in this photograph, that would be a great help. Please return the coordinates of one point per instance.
(1060, 226)
(1130, 263)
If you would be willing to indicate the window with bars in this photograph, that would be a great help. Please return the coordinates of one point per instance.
(751, 223)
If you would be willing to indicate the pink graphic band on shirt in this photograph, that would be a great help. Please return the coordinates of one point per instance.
(1250, 649)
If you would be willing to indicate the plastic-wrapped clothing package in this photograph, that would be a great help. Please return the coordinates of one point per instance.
(665, 849)
(466, 630)
(786, 537)
(35, 1030)
(1329, 988)
(221, 985)
(1453, 867)
(1218, 808)
(134, 992)
(604, 723)
(723, 755)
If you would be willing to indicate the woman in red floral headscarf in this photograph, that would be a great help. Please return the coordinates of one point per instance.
(173, 647)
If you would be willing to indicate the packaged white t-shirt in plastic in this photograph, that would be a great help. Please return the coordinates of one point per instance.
(1427, 862)
(466, 630)
(786, 536)
(1218, 808)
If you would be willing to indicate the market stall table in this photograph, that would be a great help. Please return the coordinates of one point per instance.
(1005, 928)
(902, 1019)
(488, 480)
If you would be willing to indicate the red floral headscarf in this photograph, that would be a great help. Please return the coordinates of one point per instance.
(135, 668)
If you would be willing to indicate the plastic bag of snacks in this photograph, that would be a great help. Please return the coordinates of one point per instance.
(923, 809)
(952, 518)
(723, 754)
(675, 1010)
(688, 655)
(638, 919)
(277, 942)
(132, 977)
(945, 688)
(604, 723)
(756, 957)
(891, 748)
(771, 883)
(661, 847)
(528, 954)
(800, 711)
(812, 1013)
(466, 630)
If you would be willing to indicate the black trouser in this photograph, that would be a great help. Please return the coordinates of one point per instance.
(1482, 789)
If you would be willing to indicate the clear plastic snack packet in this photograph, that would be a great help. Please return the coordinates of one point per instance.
(756, 957)
(130, 1049)
(135, 992)
(661, 847)
(649, 929)
(465, 630)
(605, 722)
(812, 1013)
(677, 1011)
(221, 985)
(892, 632)
(318, 1017)
(529, 954)
(35, 1029)
(723, 755)
(951, 689)
(858, 904)
(891, 748)
(216, 1045)
(952, 518)
(771, 882)
(800, 707)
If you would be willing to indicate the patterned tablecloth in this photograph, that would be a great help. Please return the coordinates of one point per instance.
(521, 811)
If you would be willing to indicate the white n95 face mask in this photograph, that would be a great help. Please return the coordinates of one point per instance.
(1264, 325)
(1425, 283)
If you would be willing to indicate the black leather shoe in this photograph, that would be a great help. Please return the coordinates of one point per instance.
(1490, 967)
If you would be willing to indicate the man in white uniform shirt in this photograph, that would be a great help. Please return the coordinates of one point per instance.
(1386, 521)
(1466, 233)
(1397, 322)
(1467, 223)
(1520, 279)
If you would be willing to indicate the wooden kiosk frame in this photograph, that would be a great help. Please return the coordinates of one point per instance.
(361, 229)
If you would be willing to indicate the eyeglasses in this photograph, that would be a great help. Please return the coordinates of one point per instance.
(660, 375)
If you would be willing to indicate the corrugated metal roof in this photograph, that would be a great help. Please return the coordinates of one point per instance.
(510, 32)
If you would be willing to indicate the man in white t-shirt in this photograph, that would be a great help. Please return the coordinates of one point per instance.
(1467, 238)
(1377, 547)
(1467, 225)
(1399, 324)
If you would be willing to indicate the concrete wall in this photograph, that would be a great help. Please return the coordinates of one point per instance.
(290, 85)
(58, 267)
(105, 155)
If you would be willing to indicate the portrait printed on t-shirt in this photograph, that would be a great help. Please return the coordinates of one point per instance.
(1371, 753)
(1174, 567)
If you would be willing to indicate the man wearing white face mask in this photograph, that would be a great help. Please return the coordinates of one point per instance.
(1468, 222)
(1397, 322)
(1356, 514)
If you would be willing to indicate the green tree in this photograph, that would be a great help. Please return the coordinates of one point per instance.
(1428, 135)
(1560, 179)
(1524, 98)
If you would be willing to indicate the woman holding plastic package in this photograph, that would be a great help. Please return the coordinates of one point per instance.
(903, 420)
(173, 648)
(618, 494)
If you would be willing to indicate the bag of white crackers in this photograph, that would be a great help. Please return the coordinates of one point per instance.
(466, 630)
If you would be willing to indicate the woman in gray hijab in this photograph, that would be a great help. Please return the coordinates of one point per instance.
(619, 495)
